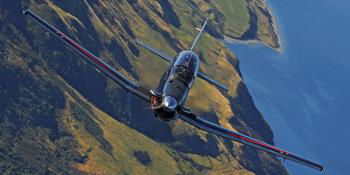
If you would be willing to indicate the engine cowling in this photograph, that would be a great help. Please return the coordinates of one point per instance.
(159, 110)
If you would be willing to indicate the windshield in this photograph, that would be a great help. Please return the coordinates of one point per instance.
(188, 59)
(183, 73)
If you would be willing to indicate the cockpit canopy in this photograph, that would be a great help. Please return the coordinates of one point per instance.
(183, 73)
(188, 59)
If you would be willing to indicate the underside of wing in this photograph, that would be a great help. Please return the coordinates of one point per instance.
(92, 59)
(238, 137)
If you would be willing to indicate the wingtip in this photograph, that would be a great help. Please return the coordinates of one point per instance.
(25, 12)
(224, 87)
(137, 41)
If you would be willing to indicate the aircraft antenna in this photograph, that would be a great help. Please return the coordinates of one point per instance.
(199, 35)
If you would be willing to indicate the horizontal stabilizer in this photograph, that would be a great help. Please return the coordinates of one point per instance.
(211, 81)
(163, 55)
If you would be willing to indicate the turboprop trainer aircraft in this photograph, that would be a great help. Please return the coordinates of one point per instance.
(168, 100)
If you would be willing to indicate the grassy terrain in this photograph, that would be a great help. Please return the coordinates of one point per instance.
(110, 145)
(237, 11)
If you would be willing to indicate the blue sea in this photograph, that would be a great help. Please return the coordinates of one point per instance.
(304, 91)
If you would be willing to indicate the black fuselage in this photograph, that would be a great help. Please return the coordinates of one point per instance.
(175, 85)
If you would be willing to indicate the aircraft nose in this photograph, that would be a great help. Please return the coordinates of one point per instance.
(169, 103)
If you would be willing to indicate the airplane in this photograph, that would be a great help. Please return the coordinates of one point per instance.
(168, 99)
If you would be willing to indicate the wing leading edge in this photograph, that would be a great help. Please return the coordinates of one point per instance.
(238, 137)
(92, 59)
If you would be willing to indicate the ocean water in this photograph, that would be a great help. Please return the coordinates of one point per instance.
(304, 91)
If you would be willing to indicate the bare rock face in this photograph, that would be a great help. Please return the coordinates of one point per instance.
(58, 115)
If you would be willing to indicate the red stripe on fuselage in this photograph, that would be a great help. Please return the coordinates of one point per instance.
(259, 143)
(76, 45)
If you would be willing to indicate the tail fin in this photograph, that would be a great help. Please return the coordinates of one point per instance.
(199, 35)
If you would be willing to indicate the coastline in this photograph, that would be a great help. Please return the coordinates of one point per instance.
(230, 40)
(299, 74)
(275, 36)
(275, 26)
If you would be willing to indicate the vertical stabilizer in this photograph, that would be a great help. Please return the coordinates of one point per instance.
(199, 35)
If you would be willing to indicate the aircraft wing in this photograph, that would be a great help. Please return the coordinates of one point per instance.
(238, 137)
(92, 59)
(211, 81)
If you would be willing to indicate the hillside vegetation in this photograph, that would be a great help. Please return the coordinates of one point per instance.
(58, 115)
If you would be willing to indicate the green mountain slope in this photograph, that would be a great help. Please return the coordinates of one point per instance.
(60, 116)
